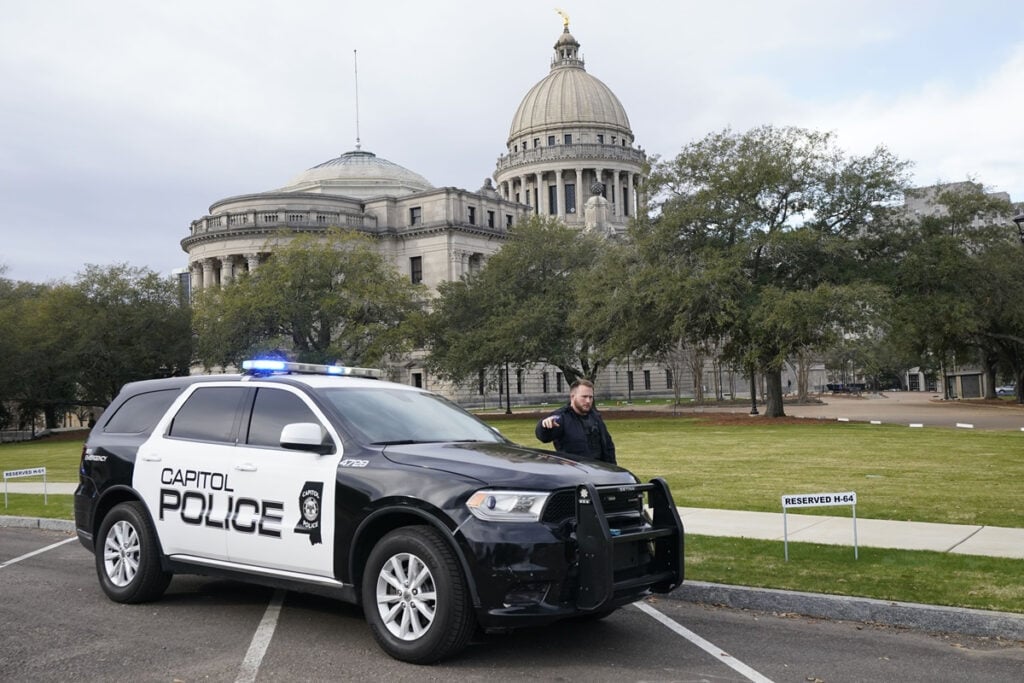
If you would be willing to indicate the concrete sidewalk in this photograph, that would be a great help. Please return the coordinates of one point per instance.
(963, 539)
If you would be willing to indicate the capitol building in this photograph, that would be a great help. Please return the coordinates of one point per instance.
(570, 154)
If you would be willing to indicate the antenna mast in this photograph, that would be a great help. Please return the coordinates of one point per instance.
(355, 64)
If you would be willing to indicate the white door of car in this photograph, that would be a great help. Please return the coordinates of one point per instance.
(184, 471)
(284, 497)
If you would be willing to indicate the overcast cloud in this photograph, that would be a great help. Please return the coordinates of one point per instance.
(122, 121)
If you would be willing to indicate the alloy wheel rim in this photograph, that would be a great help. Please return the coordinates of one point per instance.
(406, 596)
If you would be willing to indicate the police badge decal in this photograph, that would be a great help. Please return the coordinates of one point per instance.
(309, 511)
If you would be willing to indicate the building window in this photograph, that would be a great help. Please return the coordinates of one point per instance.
(508, 217)
(481, 383)
(558, 382)
(519, 381)
(568, 138)
(490, 219)
(647, 380)
(625, 201)
(415, 215)
(570, 197)
(515, 148)
(629, 380)
(544, 382)
(416, 269)
(551, 141)
(552, 199)
(417, 380)
(600, 138)
(613, 139)
(536, 142)
(472, 215)
(668, 379)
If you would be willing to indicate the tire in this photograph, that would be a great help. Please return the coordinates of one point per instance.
(415, 597)
(128, 556)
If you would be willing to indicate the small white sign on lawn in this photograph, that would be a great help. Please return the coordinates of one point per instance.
(807, 500)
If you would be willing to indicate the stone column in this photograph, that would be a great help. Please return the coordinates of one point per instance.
(581, 190)
(209, 276)
(616, 198)
(539, 179)
(524, 198)
(631, 205)
(227, 270)
(197, 275)
(252, 261)
(560, 193)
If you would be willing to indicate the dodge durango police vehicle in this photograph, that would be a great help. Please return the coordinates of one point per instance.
(327, 479)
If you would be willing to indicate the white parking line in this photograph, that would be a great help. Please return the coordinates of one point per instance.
(261, 640)
(708, 647)
(35, 552)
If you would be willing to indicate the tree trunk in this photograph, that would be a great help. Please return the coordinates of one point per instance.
(773, 394)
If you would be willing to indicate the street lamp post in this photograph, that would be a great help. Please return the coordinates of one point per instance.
(1019, 220)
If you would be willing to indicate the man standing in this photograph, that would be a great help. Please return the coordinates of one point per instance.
(577, 428)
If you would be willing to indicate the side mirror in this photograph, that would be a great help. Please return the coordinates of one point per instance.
(306, 436)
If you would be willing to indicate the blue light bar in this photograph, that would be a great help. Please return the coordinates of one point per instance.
(268, 366)
(265, 365)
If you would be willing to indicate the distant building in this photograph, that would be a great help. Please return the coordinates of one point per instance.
(570, 153)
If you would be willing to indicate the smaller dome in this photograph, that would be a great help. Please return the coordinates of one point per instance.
(359, 174)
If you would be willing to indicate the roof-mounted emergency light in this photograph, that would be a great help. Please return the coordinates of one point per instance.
(272, 366)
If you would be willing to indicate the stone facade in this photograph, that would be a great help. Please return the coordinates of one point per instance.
(570, 153)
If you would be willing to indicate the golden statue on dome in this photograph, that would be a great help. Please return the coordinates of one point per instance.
(565, 18)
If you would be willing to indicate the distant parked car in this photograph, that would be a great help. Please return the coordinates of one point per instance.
(1009, 390)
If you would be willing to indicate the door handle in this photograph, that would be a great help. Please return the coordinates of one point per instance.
(245, 467)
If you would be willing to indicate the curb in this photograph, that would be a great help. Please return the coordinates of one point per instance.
(972, 622)
(37, 523)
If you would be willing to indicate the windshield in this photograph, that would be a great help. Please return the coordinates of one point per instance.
(392, 416)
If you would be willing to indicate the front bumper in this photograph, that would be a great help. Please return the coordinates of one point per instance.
(594, 561)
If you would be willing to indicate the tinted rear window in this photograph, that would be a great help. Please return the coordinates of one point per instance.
(209, 414)
(140, 413)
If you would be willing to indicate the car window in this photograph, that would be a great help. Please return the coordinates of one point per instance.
(209, 414)
(399, 415)
(271, 411)
(140, 413)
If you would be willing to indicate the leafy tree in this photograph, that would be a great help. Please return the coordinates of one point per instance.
(324, 298)
(127, 323)
(756, 243)
(956, 290)
(75, 344)
(518, 307)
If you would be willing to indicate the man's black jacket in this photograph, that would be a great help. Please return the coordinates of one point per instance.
(584, 436)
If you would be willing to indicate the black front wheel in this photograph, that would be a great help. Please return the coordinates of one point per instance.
(415, 597)
(128, 556)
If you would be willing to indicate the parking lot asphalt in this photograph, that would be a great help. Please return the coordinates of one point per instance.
(910, 408)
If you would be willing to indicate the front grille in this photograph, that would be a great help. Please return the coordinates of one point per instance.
(561, 505)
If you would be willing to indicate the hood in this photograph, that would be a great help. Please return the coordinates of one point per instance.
(508, 465)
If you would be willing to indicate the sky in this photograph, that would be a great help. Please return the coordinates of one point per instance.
(122, 121)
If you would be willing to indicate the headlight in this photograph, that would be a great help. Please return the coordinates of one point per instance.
(507, 506)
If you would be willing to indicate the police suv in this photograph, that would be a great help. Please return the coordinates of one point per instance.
(325, 479)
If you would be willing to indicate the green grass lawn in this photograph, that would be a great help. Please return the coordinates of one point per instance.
(925, 475)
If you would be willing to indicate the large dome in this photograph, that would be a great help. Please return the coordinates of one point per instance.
(359, 174)
(568, 96)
